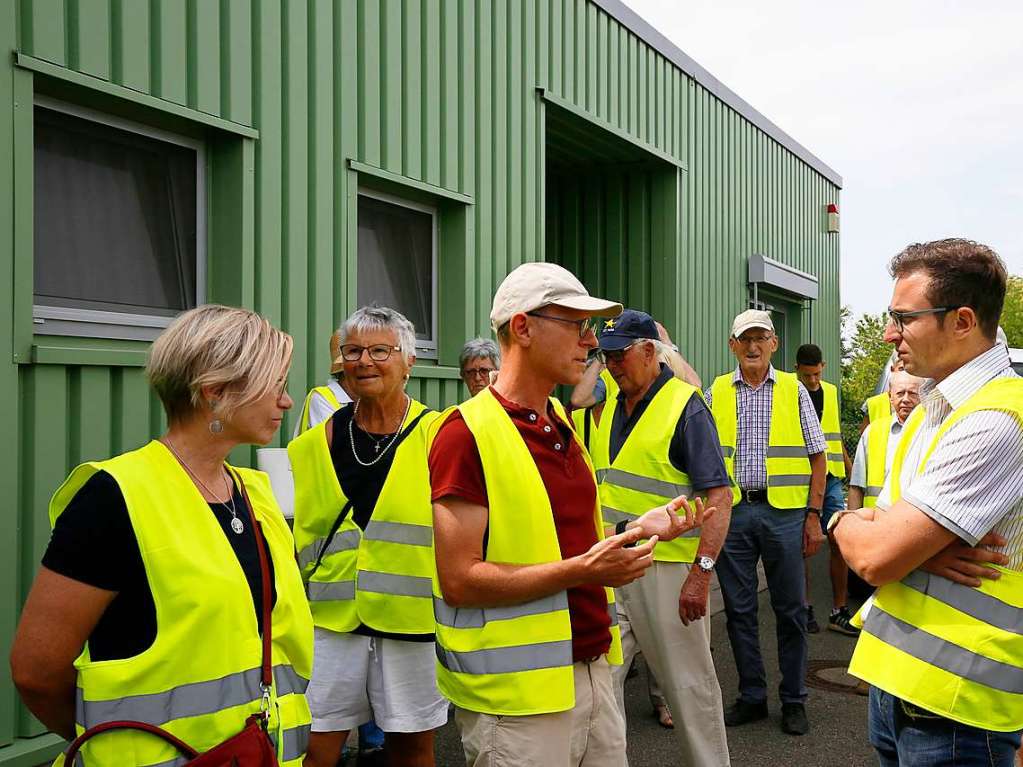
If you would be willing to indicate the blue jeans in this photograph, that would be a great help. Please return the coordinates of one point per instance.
(760, 531)
(903, 734)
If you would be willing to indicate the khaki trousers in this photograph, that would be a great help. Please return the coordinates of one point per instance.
(592, 734)
(680, 659)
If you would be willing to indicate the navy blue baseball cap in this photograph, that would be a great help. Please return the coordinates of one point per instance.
(625, 329)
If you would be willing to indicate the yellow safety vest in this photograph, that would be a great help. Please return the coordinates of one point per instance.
(641, 476)
(831, 425)
(200, 679)
(788, 465)
(877, 435)
(953, 650)
(380, 577)
(583, 417)
(517, 659)
(324, 391)
(878, 406)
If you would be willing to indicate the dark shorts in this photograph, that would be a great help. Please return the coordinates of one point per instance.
(834, 500)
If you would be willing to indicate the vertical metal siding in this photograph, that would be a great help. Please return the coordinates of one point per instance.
(442, 92)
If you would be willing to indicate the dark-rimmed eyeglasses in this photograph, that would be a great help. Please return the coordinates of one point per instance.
(898, 319)
(584, 325)
(478, 372)
(377, 352)
(616, 355)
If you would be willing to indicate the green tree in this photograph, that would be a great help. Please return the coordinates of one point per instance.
(1012, 312)
(865, 356)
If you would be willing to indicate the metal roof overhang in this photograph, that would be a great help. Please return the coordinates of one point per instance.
(640, 27)
(766, 272)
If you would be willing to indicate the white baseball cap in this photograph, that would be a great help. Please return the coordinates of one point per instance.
(751, 318)
(537, 284)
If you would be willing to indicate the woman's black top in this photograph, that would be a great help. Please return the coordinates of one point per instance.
(362, 484)
(94, 542)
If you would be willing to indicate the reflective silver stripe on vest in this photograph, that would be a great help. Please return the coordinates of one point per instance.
(943, 654)
(873, 490)
(289, 681)
(630, 481)
(835, 458)
(342, 591)
(179, 761)
(975, 603)
(396, 585)
(600, 475)
(727, 451)
(788, 480)
(614, 516)
(507, 660)
(612, 613)
(478, 617)
(294, 742)
(346, 541)
(832, 436)
(193, 699)
(787, 451)
(399, 532)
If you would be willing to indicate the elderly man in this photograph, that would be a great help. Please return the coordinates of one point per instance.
(522, 599)
(877, 445)
(945, 659)
(656, 440)
(774, 450)
(479, 358)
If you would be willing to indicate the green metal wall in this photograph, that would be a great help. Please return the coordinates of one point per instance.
(437, 98)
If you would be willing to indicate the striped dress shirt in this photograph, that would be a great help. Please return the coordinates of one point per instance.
(973, 481)
(753, 406)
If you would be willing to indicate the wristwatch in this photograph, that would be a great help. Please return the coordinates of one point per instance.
(706, 564)
(833, 522)
(812, 510)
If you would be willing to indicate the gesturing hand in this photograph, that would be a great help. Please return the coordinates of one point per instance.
(667, 525)
(965, 564)
(609, 563)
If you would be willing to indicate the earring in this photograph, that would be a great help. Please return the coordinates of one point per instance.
(216, 425)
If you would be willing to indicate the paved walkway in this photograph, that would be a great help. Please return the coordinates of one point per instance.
(838, 720)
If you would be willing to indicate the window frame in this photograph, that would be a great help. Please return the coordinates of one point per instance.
(97, 323)
(425, 348)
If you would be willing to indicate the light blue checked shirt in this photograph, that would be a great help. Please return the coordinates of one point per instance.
(754, 426)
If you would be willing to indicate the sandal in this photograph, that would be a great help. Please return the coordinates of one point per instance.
(664, 717)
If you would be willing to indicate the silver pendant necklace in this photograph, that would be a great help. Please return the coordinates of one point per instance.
(237, 526)
(380, 452)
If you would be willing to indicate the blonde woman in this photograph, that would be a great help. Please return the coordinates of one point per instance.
(150, 598)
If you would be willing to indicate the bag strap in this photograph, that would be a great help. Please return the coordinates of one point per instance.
(264, 569)
(76, 744)
(348, 506)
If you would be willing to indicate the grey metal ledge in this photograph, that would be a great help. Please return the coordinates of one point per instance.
(640, 27)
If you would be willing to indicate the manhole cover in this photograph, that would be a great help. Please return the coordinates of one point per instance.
(831, 676)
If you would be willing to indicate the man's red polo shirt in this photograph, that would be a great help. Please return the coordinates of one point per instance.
(456, 470)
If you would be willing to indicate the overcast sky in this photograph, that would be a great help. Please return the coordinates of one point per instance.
(917, 105)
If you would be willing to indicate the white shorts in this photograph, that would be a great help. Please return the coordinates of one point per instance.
(358, 678)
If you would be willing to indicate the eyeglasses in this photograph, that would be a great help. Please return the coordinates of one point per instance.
(377, 352)
(758, 340)
(585, 326)
(478, 372)
(615, 356)
(898, 319)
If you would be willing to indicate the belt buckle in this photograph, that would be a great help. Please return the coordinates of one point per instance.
(748, 495)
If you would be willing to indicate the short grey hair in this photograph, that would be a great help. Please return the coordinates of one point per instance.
(381, 318)
(479, 347)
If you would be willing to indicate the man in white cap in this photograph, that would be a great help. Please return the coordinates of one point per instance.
(774, 451)
(526, 622)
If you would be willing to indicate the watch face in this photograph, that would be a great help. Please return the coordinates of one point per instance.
(705, 563)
